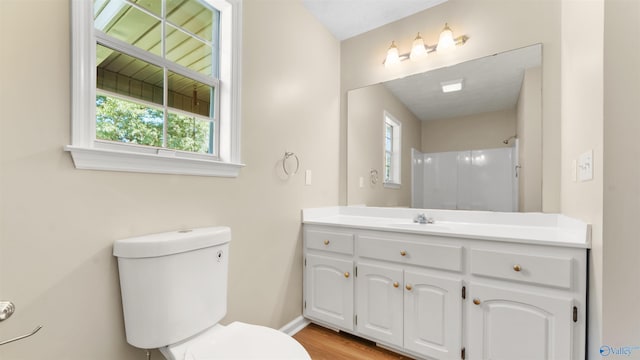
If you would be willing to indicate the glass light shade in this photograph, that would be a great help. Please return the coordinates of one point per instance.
(446, 41)
(393, 57)
(418, 50)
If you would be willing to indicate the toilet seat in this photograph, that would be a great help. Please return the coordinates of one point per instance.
(237, 341)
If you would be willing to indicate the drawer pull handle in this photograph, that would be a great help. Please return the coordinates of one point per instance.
(476, 301)
(395, 284)
(516, 268)
(409, 287)
(326, 242)
(403, 253)
(346, 274)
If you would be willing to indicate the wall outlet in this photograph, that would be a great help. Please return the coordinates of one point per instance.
(585, 166)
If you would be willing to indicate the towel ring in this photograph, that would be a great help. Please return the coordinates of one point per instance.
(373, 175)
(286, 157)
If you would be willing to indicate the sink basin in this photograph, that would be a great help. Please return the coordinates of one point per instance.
(416, 226)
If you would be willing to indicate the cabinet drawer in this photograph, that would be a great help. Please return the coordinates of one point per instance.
(334, 241)
(439, 256)
(535, 269)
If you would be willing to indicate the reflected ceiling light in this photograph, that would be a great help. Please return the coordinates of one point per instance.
(420, 50)
(451, 86)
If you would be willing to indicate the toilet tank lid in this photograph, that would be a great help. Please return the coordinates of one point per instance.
(171, 242)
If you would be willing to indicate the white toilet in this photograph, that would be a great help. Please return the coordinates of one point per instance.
(174, 292)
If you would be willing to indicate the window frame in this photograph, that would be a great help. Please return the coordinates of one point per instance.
(394, 181)
(91, 153)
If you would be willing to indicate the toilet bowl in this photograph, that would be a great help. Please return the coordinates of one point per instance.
(237, 341)
(174, 293)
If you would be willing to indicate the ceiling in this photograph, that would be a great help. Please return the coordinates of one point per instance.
(490, 84)
(348, 18)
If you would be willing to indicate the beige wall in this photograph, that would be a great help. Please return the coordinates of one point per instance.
(582, 126)
(366, 146)
(621, 245)
(473, 132)
(493, 26)
(58, 223)
(529, 130)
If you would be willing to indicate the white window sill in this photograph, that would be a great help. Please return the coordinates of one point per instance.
(111, 160)
(389, 185)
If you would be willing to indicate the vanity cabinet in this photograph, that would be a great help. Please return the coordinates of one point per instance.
(379, 302)
(512, 324)
(437, 297)
(328, 278)
(529, 310)
(402, 302)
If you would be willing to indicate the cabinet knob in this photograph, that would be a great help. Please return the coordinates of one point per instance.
(476, 301)
(395, 284)
(326, 242)
(346, 274)
(403, 253)
(409, 287)
(516, 267)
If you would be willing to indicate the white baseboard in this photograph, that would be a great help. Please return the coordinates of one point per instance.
(295, 325)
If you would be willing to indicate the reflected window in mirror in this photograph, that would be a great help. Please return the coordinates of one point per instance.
(392, 151)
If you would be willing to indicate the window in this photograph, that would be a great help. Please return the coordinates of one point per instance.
(156, 86)
(392, 151)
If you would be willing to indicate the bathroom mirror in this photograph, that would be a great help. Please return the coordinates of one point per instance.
(498, 107)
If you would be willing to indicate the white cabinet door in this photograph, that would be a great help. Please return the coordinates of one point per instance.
(379, 302)
(507, 324)
(329, 290)
(432, 315)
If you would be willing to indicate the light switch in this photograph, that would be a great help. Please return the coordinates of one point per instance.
(574, 170)
(585, 166)
(361, 182)
(307, 177)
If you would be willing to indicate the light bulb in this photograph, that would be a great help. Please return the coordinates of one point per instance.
(418, 50)
(446, 41)
(393, 57)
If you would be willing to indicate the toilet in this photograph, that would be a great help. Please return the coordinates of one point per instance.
(174, 293)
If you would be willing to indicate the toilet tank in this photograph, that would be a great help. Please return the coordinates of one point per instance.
(173, 285)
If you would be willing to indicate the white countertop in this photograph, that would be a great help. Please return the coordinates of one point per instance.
(530, 228)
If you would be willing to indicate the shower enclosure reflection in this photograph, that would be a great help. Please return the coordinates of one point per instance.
(496, 114)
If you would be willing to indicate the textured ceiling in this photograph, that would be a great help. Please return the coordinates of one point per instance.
(490, 84)
(348, 18)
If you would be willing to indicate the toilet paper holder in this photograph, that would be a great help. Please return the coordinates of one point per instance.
(7, 308)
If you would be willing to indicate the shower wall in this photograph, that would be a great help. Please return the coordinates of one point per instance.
(466, 180)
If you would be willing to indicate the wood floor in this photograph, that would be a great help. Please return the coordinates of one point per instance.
(325, 344)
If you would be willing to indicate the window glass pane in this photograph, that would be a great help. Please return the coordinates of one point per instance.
(128, 122)
(193, 16)
(388, 139)
(124, 22)
(387, 167)
(190, 95)
(189, 133)
(186, 50)
(126, 75)
(155, 6)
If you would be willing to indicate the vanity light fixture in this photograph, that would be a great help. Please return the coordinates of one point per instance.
(393, 57)
(446, 41)
(420, 50)
(451, 86)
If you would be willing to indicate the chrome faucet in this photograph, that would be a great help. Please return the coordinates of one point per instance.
(423, 219)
